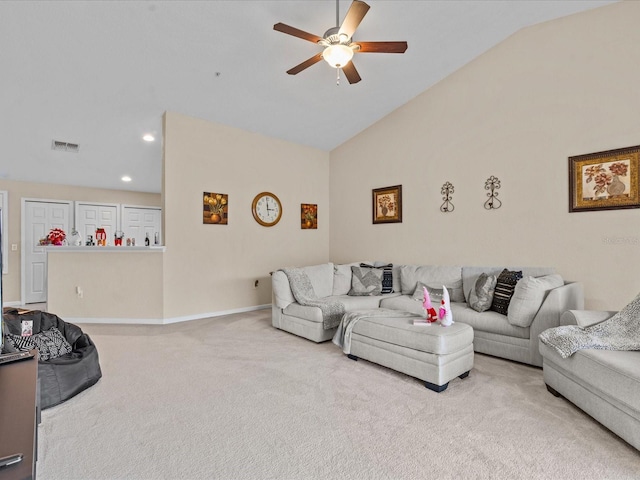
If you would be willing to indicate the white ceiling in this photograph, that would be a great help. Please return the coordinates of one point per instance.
(101, 74)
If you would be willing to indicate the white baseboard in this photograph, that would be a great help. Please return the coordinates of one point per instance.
(164, 321)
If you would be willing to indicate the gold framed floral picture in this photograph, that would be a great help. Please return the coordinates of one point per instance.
(309, 216)
(215, 208)
(604, 180)
(387, 204)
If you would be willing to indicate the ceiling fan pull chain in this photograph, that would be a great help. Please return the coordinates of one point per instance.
(337, 77)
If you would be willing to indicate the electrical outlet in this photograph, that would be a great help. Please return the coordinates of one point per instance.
(14, 247)
(79, 292)
(256, 283)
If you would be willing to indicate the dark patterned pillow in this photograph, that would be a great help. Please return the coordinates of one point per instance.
(387, 276)
(365, 281)
(503, 292)
(50, 343)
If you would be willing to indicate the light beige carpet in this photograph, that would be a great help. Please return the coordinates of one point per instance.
(234, 398)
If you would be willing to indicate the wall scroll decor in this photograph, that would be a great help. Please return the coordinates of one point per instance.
(215, 208)
(309, 216)
(387, 204)
(447, 192)
(604, 180)
(492, 184)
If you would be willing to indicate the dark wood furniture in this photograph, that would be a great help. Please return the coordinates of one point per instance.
(18, 417)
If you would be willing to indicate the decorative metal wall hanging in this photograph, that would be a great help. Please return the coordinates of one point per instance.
(447, 191)
(492, 184)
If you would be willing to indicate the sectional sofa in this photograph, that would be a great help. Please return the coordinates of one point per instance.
(535, 307)
(603, 383)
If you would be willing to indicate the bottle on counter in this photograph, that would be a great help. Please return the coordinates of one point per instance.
(146, 240)
(156, 238)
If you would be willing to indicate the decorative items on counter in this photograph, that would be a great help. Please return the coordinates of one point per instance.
(75, 239)
(56, 237)
(101, 237)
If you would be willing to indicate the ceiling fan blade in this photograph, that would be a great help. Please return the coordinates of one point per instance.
(354, 16)
(382, 47)
(281, 27)
(351, 73)
(306, 64)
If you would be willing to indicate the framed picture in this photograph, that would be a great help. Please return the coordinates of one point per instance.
(215, 208)
(387, 204)
(309, 216)
(604, 180)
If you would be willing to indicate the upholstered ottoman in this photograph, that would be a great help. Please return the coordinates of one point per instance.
(434, 354)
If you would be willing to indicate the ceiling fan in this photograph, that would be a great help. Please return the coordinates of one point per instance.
(338, 44)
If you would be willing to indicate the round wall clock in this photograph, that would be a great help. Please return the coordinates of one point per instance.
(266, 209)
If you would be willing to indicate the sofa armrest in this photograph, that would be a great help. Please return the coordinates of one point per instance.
(585, 318)
(570, 296)
(281, 290)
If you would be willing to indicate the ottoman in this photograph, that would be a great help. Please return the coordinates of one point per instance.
(434, 354)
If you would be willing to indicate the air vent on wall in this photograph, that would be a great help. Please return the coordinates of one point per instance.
(64, 146)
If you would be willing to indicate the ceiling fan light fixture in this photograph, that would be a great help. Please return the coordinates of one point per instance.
(337, 55)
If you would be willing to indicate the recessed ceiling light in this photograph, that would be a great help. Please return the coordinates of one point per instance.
(126, 178)
(148, 138)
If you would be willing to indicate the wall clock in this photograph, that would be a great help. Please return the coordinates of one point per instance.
(266, 209)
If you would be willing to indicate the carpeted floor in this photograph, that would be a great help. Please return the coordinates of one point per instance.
(233, 398)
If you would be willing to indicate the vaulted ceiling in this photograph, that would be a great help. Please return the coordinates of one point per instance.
(100, 74)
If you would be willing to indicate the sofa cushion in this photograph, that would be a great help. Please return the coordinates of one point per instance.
(470, 274)
(433, 276)
(489, 321)
(387, 275)
(528, 296)
(366, 281)
(435, 294)
(404, 303)
(365, 302)
(342, 278)
(481, 296)
(314, 314)
(505, 285)
(321, 277)
(395, 269)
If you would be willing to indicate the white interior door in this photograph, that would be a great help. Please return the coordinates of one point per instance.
(39, 218)
(138, 222)
(90, 216)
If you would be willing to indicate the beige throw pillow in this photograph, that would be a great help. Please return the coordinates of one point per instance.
(528, 297)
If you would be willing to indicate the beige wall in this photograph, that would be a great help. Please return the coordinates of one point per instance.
(118, 286)
(212, 268)
(18, 190)
(562, 88)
